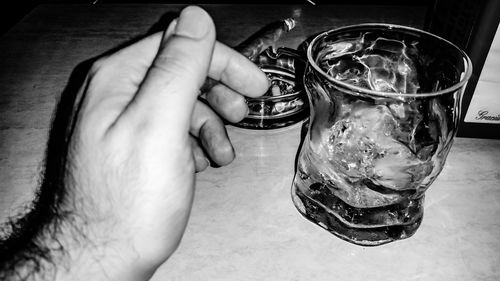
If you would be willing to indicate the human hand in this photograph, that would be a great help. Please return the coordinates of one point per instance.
(133, 154)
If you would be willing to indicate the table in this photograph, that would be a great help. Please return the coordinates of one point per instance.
(243, 224)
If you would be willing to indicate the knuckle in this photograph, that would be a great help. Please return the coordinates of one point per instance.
(166, 63)
(229, 104)
(237, 102)
(237, 108)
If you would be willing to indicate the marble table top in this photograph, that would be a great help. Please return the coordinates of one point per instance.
(244, 225)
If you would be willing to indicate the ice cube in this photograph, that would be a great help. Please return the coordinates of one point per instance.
(354, 142)
(362, 147)
(399, 168)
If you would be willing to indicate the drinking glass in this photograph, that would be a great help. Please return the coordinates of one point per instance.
(384, 109)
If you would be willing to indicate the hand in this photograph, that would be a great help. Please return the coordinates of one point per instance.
(134, 149)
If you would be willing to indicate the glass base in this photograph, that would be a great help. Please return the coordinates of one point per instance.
(359, 226)
(262, 123)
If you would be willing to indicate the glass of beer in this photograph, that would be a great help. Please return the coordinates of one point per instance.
(384, 110)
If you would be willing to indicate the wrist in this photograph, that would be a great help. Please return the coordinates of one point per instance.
(94, 247)
(60, 243)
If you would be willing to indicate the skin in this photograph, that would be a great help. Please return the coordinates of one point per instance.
(139, 136)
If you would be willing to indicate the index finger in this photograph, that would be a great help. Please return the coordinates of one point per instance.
(237, 72)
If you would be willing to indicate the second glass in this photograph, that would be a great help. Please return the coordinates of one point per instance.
(384, 109)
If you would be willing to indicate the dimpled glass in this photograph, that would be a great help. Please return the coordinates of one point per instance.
(384, 109)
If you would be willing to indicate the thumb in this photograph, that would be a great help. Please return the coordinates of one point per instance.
(170, 88)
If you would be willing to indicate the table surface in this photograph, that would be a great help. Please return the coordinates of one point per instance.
(243, 224)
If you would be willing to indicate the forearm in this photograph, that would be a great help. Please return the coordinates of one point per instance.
(58, 238)
(52, 241)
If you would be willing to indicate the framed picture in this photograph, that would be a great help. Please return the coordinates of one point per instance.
(473, 26)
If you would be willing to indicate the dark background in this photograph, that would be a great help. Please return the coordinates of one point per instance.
(16, 10)
(470, 24)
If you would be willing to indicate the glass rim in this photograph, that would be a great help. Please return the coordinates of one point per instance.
(361, 90)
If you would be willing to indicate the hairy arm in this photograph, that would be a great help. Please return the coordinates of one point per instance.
(51, 239)
(50, 243)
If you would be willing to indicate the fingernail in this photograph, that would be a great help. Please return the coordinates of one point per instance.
(191, 23)
(208, 162)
